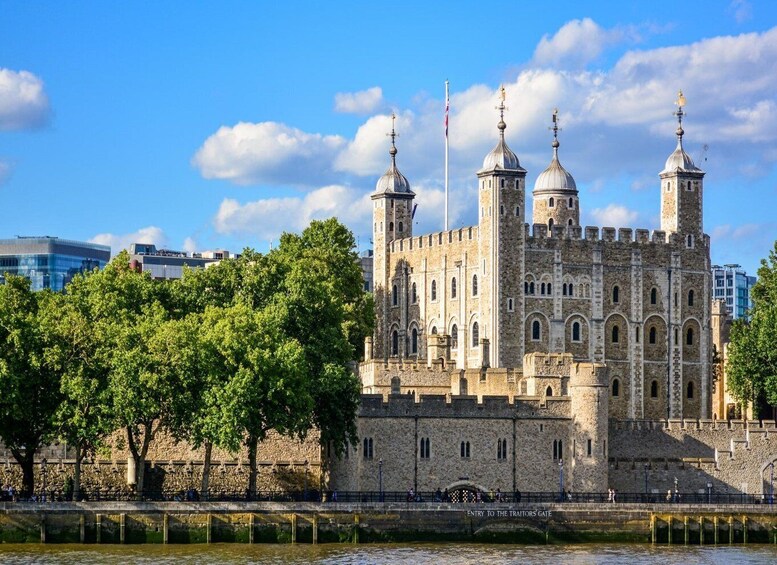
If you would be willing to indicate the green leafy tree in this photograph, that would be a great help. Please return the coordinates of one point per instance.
(752, 359)
(30, 388)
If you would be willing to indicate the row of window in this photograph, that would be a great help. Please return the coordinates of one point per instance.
(433, 293)
(414, 338)
(570, 203)
(616, 389)
(536, 333)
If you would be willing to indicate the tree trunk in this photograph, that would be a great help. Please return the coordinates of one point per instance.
(252, 445)
(139, 455)
(27, 463)
(206, 470)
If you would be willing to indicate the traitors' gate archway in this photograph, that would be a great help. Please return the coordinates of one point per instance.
(465, 491)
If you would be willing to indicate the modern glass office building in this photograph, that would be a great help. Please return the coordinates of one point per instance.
(732, 284)
(49, 262)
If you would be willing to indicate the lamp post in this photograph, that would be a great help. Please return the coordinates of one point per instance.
(43, 472)
(709, 493)
(676, 492)
(380, 480)
(561, 480)
(646, 477)
(771, 482)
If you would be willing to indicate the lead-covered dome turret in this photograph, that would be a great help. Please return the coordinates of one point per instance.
(555, 178)
(392, 181)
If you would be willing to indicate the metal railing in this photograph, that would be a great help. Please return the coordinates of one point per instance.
(459, 496)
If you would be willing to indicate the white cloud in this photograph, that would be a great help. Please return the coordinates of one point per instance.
(267, 152)
(614, 215)
(361, 102)
(269, 217)
(23, 102)
(190, 245)
(117, 242)
(742, 10)
(5, 171)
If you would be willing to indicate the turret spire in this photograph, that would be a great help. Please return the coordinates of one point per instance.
(680, 103)
(393, 135)
(555, 129)
(502, 125)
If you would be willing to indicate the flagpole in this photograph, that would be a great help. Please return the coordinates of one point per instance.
(447, 105)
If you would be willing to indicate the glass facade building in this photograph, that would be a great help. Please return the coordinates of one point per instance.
(732, 284)
(50, 262)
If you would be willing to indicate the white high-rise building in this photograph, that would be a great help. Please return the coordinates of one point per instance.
(732, 284)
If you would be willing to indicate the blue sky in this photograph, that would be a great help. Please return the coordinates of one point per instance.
(219, 125)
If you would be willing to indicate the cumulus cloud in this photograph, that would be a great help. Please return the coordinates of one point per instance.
(190, 245)
(617, 121)
(267, 152)
(742, 10)
(268, 218)
(361, 102)
(117, 242)
(614, 215)
(23, 102)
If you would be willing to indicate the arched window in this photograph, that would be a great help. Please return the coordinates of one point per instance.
(400, 227)
(550, 289)
(550, 225)
(434, 291)
(535, 330)
(517, 210)
(526, 287)
(453, 287)
(549, 391)
(689, 242)
(689, 337)
(616, 387)
(615, 334)
(391, 226)
(551, 202)
(652, 335)
(570, 290)
(395, 342)
(690, 297)
(636, 334)
(653, 296)
(654, 389)
(616, 294)
(576, 331)
(475, 335)
(413, 294)
(542, 288)
(434, 330)
(569, 222)
(455, 336)
(531, 288)
(414, 341)
(689, 391)
(564, 289)
(474, 285)
(394, 295)
(571, 205)
(509, 304)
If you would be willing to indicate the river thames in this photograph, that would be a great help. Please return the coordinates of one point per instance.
(411, 554)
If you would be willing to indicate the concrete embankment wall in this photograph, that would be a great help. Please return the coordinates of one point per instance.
(263, 522)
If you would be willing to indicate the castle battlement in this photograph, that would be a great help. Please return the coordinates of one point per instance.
(605, 234)
(695, 424)
(462, 406)
(435, 239)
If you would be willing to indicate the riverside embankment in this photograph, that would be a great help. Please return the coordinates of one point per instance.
(271, 522)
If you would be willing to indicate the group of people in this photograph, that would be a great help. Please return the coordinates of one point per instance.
(7, 493)
(611, 495)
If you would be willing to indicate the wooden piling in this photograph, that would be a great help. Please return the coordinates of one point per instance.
(165, 528)
(82, 528)
(670, 530)
(122, 527)
(293, 528)
(685, 530)
(315, 529)
(250, 528)
(99, 527)
(209, 528)
(43, 528)
(730, 530)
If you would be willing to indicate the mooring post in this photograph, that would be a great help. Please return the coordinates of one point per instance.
(730, 530)
(82, 528)
(209, 528)
(315, 529)
(715, 529)
(122, 527)
(355, 528)
(685, 529)
(744, 529)
(701, 530)
(165, 528)
(43, 528)
(653, 529)
(293, 528)
(99, 527)
(670, 530)
(250, 528)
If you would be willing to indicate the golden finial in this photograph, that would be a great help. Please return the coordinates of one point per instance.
(393, 135)
(680, 99)
(503, 94)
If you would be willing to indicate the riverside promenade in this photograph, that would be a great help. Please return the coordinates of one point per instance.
(340, 522)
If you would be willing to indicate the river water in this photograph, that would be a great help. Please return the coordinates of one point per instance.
(409, 554)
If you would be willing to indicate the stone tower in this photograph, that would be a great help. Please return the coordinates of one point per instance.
(555, 193)
(589, 392)
(682, 190)
(392, 217)
(501, 198)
